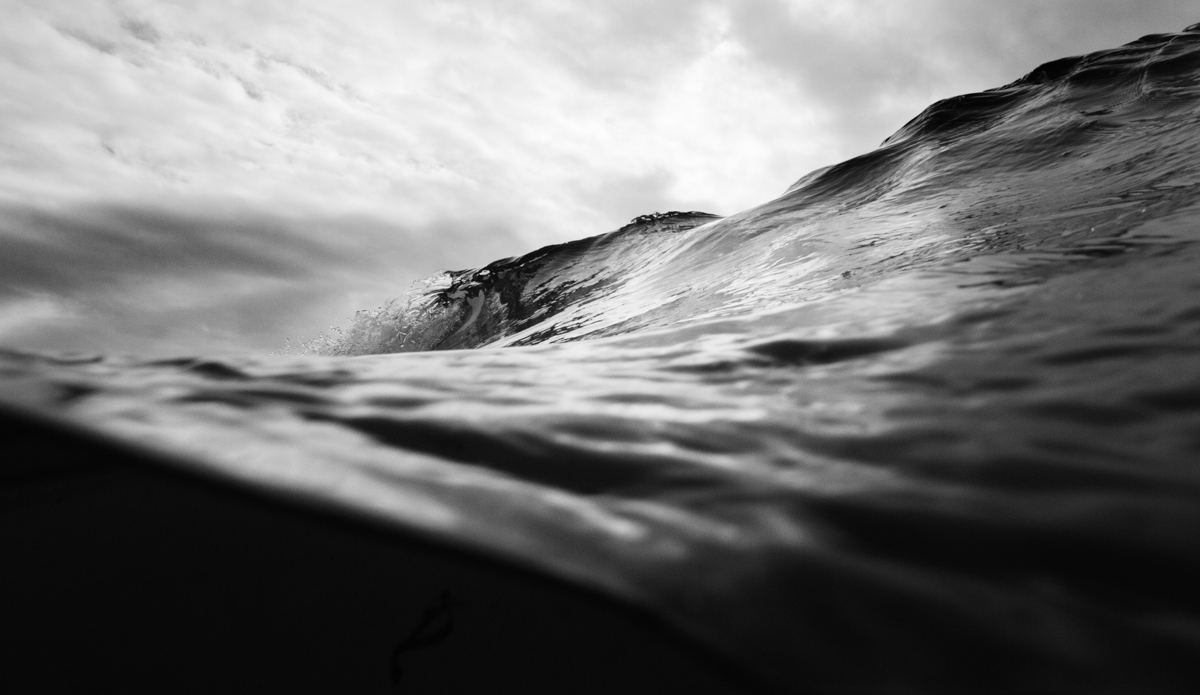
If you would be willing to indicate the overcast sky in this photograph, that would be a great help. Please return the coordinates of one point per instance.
(196, 177)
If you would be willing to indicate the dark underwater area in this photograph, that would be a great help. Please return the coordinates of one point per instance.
(928, 422)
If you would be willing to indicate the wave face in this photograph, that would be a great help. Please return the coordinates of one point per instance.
(928, 422)
(543, 296)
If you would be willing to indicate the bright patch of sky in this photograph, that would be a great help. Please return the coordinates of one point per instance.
(221, 175)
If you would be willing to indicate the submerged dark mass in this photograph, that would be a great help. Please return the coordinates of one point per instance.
(925, 423)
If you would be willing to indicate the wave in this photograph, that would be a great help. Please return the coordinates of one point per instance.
(994, 152)
(509, 299)
(926, 422)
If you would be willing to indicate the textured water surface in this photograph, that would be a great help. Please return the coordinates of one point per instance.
(927, 422)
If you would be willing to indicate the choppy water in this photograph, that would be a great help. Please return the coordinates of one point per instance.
(927, 422)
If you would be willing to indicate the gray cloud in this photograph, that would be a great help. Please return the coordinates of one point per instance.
(104, 245)
(626, 197)
(623, 44)
(154, 281)
(141, 30)
(875, 63)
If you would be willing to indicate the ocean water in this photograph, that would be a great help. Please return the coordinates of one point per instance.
(927, 422)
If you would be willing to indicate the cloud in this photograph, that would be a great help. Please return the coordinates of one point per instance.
(446, 106)
(148, 281)
(87, 247)
(868, 66)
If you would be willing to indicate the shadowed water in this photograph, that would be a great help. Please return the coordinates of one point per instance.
(927, 422)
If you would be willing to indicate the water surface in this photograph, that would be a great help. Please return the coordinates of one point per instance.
(927, 422)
